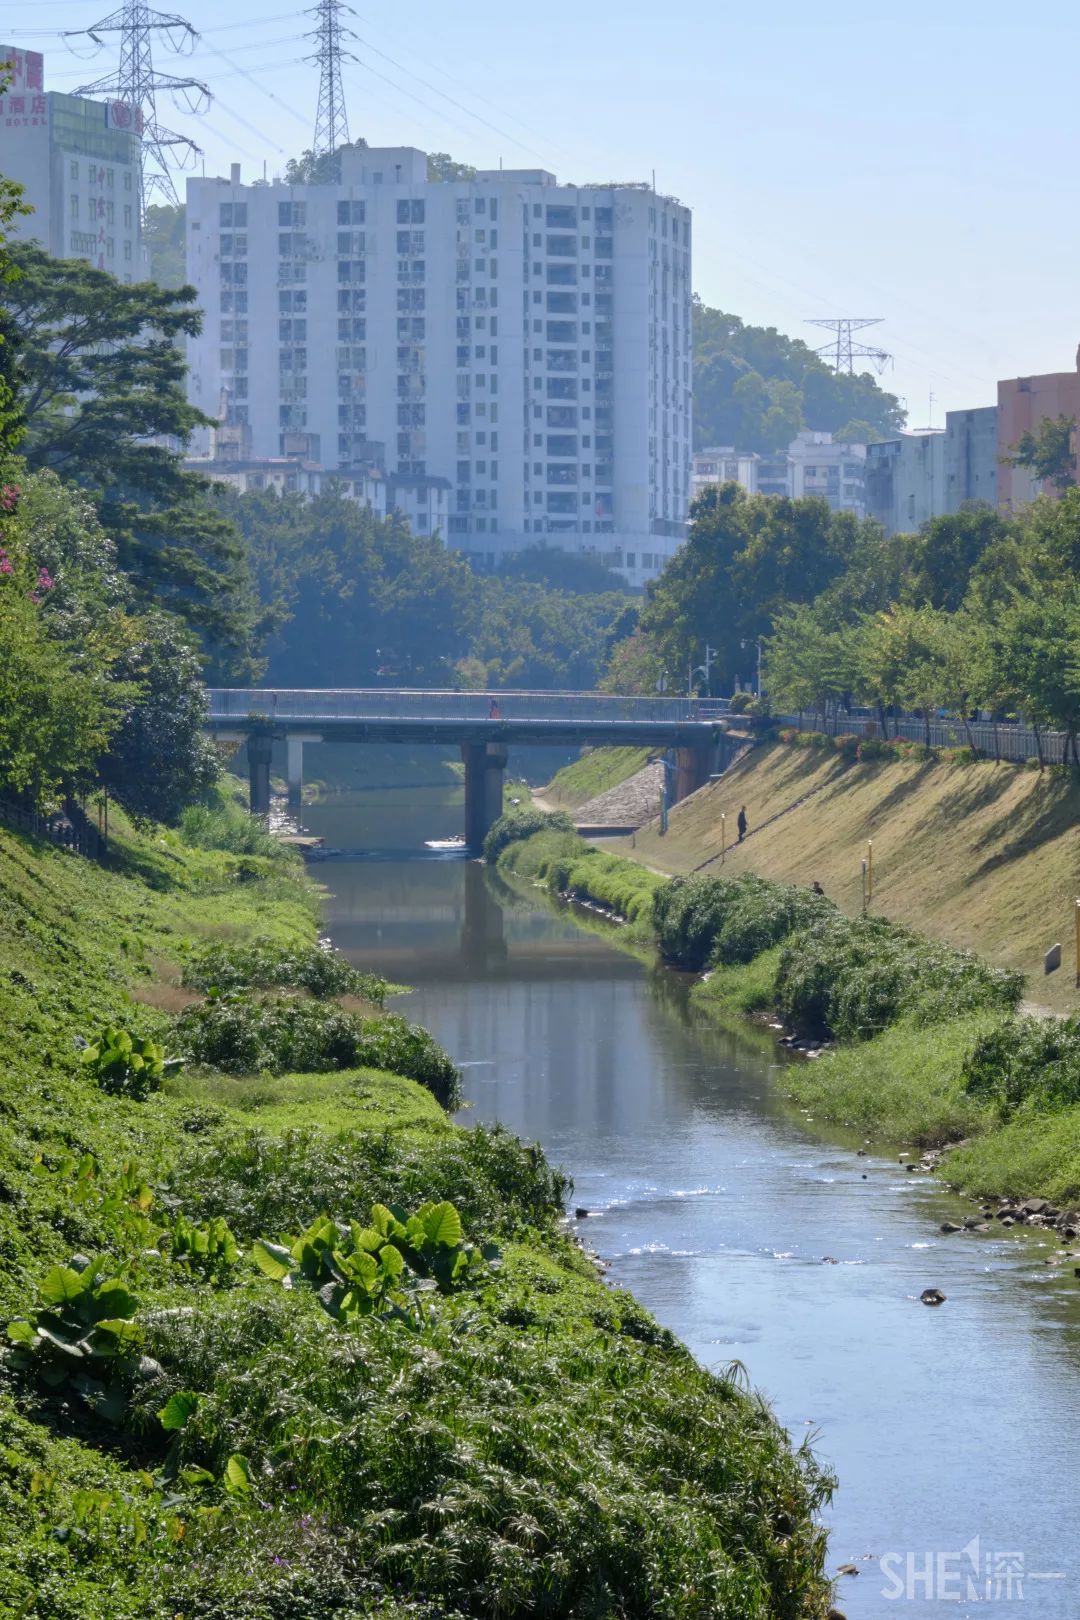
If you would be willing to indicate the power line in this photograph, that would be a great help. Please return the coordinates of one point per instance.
(329, 34)
(137, 85)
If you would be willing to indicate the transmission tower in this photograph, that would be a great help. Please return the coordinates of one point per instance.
(841, 352)
(331, 119)
(137, 85)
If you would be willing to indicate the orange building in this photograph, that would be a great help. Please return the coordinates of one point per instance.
(1024, 402)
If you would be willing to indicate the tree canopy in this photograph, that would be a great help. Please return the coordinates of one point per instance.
(100, 388)
(755, 389)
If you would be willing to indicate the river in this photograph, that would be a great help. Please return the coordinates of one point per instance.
(751, 1234)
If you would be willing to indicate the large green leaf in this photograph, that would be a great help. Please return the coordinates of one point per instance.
(61, 1285)
(274, 1260)
(441, 1224)
(237, 1479)
(177, 1409)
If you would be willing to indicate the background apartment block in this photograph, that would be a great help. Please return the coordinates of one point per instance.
(525, 344)
(812, 464)
(919, 476)
(78, 162)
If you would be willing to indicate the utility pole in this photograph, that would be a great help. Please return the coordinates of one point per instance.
(136, 85)
(842, 352)
(331, 118)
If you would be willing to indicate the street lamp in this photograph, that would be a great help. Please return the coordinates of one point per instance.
(700, 669)
(755, 643)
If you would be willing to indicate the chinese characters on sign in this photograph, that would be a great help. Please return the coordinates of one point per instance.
(23, 106)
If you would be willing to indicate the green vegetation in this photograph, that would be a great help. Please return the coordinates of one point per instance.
(100, 374)
(597, 770)
(905, 1085)
(755, 389)
(264, 964)
(520, 824)
(282, 1034)
(444, 1410)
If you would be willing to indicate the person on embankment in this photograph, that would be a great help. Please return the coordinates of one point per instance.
(742, 824)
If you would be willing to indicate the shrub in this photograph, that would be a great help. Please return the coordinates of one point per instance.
(876, 748)
(1026, 1060)
(717, 920)
(523, 823)
(126, 1065)
(264, 965)
(242, 1034)
(853, 977)
(848, 746)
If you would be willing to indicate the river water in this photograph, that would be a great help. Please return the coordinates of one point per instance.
(751, 1234)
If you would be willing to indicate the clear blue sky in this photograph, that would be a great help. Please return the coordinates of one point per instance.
(920, 165)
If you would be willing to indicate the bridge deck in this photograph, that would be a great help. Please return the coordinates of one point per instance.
(411, 716)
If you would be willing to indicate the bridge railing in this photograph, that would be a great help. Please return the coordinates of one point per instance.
(380, 703)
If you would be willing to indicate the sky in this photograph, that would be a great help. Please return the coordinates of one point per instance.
(918, 162)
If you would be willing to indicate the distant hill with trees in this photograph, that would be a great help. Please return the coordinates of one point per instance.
(755, 388)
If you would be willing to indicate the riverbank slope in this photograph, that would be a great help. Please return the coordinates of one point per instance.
(923, 1045)
(983, 856)
(182, 1434)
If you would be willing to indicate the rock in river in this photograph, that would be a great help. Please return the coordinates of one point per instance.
(932, 1296)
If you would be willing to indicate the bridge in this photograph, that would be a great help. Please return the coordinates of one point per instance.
(482, 724)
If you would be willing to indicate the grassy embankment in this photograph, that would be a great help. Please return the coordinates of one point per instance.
(983, 856)
(594, 773)
(197, 1440)
(928, 1050)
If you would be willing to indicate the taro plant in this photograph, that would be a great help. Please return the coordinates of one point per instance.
(127, 1066)
(83, 1334)
(209, 1250)
(377, 1269)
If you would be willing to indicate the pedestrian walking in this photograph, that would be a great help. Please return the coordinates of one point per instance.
(493, 710)
(742, 824)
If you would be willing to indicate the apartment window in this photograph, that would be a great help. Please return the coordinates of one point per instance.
(291, 213)
(562, 247)
(561, 217)
(110, 178)
(410, 212)
(350, 213)
(127, 179)
(127, 215)
(73, 207)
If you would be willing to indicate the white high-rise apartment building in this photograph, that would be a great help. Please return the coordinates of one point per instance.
(525, 343)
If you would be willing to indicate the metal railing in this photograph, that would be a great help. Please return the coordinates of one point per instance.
(74, 832)
(1006, 739)
(379, 703)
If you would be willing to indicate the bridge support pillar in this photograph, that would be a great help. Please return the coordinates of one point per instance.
(484, 767)
(260, 748)
(294, 748)
(692, 768)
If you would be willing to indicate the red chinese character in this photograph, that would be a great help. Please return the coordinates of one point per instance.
(18, 67)
(18, 104)
(39, 105)
(35, 70)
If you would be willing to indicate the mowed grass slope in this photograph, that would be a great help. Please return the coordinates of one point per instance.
(984, 856)
(594, 773)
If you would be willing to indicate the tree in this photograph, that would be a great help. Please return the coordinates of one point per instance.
(58, 702)
(441, 166)
(809, 662)
(946, 551)
(561, 570)
(635, 666)
(746, 558)
(159, 759)
(320, 169)
(11, 417)
(101, 388)
(164, 235)
(1050, 452)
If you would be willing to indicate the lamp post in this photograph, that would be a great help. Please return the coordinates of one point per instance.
(755, 643)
